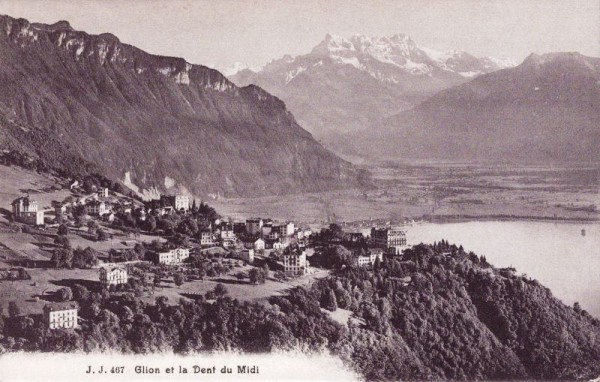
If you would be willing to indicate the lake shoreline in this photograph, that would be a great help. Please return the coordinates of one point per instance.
(501, 217)
(555, 253)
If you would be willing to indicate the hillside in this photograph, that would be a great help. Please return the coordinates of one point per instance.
(77, 100)
(545, 110)
(347, 85)
(438, 314)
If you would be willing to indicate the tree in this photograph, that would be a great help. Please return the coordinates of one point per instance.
(279, 275)
(80, 211)
(85, 258)
(328, 300)
(151, 223)
(377, 264)
(80, 292)
(92, 226)
(102, 235)
(62, 258)
(80, 220)
(220, 290)
(179, 279)
(180, 240)
(64, 294)
(240, 276)
(118, 188)
(13, 309)
(140, 250)
(63, 230)
(62, 241)
(257, 276)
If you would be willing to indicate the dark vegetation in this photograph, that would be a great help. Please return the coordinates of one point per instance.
(86, 174)
(439, 313)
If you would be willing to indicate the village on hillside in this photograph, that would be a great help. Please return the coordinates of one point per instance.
(100, 239)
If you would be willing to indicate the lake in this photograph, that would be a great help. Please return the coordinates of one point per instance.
(556, 254)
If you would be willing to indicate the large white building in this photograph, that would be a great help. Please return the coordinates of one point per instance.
(178, 201)
(285, 229)
(25, 210)
(295, 263)
(227, 233)
(173, 256)
(113, 276)
(369, 260)
(392, 239)
(97, 208)
(61, 315)
(207, 239)
(103, 192)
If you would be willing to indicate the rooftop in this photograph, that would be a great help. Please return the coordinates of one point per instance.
(61, 306)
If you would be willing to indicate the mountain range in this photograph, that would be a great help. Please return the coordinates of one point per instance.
(73, 99)
(547, 109)
(347, 85)
(386, 97)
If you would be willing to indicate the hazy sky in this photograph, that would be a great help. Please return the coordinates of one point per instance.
(219, 32)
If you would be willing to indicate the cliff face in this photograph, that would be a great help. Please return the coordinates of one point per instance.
(67, 96)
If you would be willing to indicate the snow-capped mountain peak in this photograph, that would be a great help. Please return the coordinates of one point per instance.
(381, 54)
(237, 67)
(332, 44)
(390, 59)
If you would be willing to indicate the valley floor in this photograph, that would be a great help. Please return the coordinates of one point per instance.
(441, 192)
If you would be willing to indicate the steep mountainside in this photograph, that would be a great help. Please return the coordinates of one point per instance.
(546, 109)
(68, 97)
(346, 85)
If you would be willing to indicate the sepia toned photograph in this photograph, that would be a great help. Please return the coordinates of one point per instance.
(319, 190)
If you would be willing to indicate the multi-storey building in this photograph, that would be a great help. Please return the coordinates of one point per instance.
(173, 256)
(61, 315)
(254, 226)
(207, 239)
(295, 263)
(285, 229)
(392, 239)
(113, 276)
(369, 260)
(267, 228)
(285, 241)
(97, 208)
(227, 233)
(178, 201)
(103, 192)
(25, 210)
(62, 209)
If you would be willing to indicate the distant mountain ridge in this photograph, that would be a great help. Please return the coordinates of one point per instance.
(546, 109)
(157, 121)
(346, 85)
